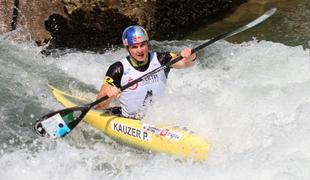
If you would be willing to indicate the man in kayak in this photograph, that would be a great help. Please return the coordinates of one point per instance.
(139, 62)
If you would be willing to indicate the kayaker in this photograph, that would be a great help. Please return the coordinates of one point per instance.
(139, 62)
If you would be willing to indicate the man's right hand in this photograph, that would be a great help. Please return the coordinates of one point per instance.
(110, 91)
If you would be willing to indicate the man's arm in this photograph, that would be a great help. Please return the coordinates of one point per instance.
(111, 85)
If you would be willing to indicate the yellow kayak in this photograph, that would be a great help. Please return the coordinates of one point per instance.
(159, 138)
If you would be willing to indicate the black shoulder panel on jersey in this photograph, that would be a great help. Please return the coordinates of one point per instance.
(115, 72)
(163, 58)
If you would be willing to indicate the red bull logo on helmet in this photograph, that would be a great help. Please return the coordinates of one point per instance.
(137, 39)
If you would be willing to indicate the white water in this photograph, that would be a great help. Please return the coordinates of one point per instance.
(251, 101)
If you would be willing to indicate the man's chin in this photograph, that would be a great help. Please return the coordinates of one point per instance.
(140, 59)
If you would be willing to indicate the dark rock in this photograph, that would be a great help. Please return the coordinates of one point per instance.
(87, 28)
(93, 24)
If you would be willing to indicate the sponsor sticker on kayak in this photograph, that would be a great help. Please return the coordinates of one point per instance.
(173, 135)
(131, 131)
(163, 132)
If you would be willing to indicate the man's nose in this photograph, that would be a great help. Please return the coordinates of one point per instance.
(140, 49)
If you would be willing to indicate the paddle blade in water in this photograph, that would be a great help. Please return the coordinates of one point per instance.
(60, 123)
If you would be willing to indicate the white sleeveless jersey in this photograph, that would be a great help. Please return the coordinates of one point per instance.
(132, 99)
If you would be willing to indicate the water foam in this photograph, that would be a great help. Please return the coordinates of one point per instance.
(250, 101)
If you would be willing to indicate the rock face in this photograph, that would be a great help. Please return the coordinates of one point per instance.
(6, 15)
(93, 24)
(87, 27)
(30, 18)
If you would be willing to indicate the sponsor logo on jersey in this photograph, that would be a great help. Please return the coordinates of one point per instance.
(131, 131)
(146, 81)
(109, 80)
(150, 80)
(133, 87)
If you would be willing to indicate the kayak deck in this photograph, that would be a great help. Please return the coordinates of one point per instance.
(159, 138)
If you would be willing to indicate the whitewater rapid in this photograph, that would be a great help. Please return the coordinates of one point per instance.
(251, 101)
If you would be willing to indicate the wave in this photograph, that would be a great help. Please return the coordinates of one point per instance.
(249, 100)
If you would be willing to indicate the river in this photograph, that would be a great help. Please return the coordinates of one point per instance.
(248, 96)
(290, 25)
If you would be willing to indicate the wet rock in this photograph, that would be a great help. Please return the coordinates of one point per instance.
(94, 24)
(87, 28)
(6, 16)
(30, 18)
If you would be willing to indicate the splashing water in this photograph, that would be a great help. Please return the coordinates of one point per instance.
(251, 101)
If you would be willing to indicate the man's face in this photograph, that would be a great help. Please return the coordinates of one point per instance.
(139, 51)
